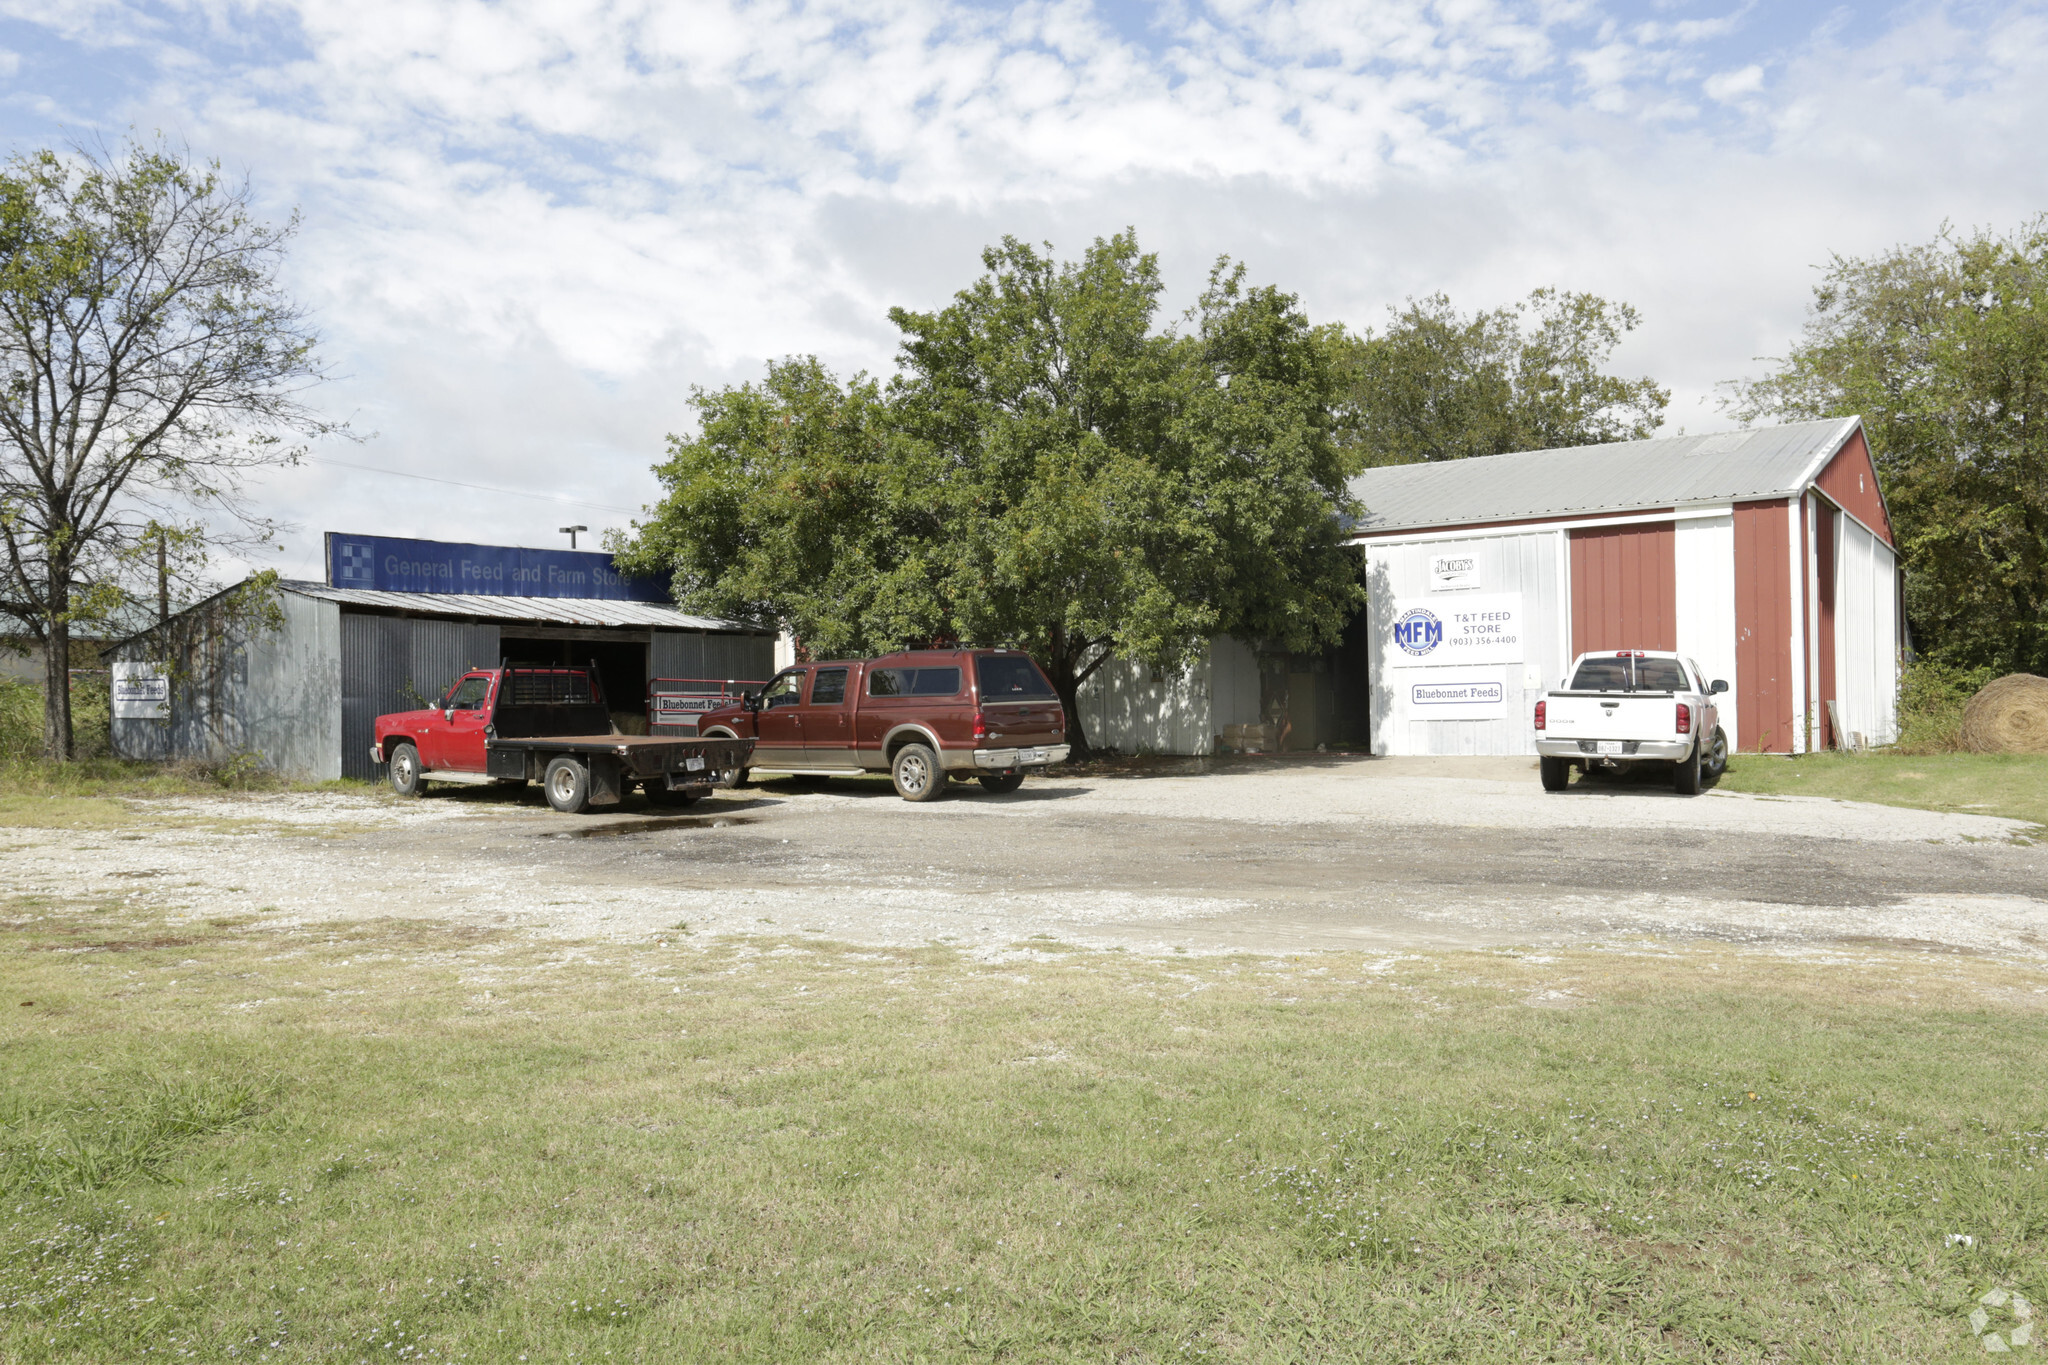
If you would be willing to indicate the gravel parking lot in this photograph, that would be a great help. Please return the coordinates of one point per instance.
(1377, 854)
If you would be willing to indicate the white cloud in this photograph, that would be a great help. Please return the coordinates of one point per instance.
(1730, 86)
(531, 226)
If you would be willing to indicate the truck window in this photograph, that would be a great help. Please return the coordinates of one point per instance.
(1660, 675)
(786, 690)
(830, 687)
(468, 695)
(913, 682)
(1011, 677)
(1602, 675)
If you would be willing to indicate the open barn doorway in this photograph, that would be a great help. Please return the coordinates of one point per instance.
(621, 669)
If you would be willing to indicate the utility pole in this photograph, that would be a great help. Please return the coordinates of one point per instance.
(570, 531)
(163, 589)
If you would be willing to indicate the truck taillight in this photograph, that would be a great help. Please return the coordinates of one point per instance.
(980, 726)
(1684, 719)
(1541, 708)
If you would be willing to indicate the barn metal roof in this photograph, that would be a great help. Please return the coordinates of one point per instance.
(567, 611)
(1622, 476)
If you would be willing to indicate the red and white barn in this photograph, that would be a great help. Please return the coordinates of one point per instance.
(1766, 555)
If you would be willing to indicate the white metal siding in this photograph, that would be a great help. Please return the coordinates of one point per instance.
(1532, 563)
(1866, 634)
(1126, 708)
(1233, 684)
(1704, 549)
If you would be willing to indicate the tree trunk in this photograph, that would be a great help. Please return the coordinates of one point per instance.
(1066, 678)
(57, 687)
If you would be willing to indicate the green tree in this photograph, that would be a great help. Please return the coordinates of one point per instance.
(1438, 385)
(148, 359)
(1942, 349)
(1049, 470)
(799, 501)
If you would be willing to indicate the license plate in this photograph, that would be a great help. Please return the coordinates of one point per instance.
(1031, 755)
(1610, 746)
(694, 763)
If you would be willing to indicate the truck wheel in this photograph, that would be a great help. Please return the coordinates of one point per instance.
(567, 783)
(658, 794)
(1557, 773)
(1002, 783)
(916, 773)
(1717, 755)
(406, 777)
(1685, 777)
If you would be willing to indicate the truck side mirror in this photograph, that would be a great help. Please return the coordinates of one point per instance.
(448, 714)
(1718, 685)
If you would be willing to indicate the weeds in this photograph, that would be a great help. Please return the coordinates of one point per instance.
(101, 1141)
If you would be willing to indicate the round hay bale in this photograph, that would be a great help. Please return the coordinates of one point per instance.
(2010, 716)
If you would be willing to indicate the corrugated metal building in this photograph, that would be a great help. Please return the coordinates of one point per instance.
(1766, 555)
(302, 695)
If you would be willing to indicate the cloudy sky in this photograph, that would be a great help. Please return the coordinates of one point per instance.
(530, 228)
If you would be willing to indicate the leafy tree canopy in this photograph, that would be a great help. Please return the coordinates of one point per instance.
(1943, 351)
(1049, 470)
(1439, 385)
(148, 359)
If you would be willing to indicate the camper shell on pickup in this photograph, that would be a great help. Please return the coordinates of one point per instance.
(550, 725)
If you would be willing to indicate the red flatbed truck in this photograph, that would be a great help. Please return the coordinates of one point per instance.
(550, 725)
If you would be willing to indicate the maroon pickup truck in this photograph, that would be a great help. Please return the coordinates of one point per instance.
(922, 717)
(548, 725)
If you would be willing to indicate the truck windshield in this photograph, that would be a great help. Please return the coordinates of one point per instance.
(1629, 675)
(1011, 677)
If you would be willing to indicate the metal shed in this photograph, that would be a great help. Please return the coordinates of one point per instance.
(1767, 555)
(301, 694)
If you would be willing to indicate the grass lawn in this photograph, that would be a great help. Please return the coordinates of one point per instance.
(2014, 785)
(397, 1141)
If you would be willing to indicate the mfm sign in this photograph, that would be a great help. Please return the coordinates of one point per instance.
(392, 564)
(1470, 628)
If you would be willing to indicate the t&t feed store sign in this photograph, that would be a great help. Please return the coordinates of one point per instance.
(1470, 628)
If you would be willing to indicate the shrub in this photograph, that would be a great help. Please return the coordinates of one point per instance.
(1931, 700)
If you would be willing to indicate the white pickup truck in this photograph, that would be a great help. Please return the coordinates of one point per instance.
(1631, 706)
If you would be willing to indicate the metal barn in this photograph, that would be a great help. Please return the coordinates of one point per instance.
(302, 696)
(1767, 555)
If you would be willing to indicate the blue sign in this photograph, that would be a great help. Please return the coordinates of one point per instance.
(1418, 631)
(392, 564)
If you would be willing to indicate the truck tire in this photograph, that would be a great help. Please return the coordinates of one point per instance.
(1716, 762)
(916, 772)
(407, 778)
(1557, 773)
(1002, 784)
(1685, 776)
(567, 783)
(658, 794)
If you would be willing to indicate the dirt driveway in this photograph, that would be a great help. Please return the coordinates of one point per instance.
(1385, 854)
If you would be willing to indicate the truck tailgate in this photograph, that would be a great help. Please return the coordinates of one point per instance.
(1611, 715)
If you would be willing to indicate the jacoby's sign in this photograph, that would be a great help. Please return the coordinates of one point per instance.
(1454, 573)
(1472, 628)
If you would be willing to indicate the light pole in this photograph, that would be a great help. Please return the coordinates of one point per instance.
(570, 531)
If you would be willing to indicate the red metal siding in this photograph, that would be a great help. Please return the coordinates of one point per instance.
(1624, 587)
(1824, 625)
(1763, 626)
(1850, 479)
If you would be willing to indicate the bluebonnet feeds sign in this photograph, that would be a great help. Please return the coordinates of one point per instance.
(392, 564)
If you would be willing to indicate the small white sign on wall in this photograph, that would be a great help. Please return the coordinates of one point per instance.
(141, 692)
(1454, 572)
(1479, 628)
(1447, 695)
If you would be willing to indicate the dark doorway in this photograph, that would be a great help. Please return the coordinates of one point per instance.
(621, 670)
